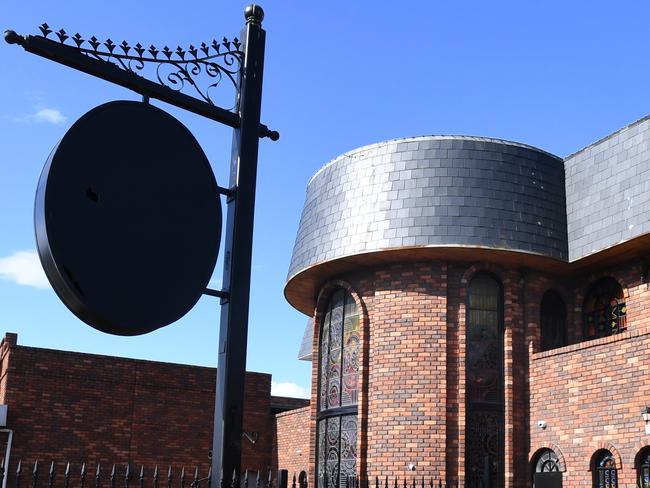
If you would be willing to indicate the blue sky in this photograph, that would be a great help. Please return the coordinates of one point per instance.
(339, 74)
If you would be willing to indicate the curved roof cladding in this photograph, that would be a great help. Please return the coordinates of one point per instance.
(433, 191)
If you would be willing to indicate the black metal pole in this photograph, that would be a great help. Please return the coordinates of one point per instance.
(233, 333)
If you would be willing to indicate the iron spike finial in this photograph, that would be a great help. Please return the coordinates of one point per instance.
(12, 37)
(254, 14)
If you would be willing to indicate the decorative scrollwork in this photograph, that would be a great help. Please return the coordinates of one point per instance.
(174, 68)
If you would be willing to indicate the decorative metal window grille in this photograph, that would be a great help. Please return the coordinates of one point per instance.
(643, 468)
(547, 462)
(484, 439)
(604, 309)
(605, 474)
(338, 391)
(552, 321)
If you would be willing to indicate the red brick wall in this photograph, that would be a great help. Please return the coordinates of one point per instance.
(514, 374)
(82, 407)
(292, 434)
(402, 401)
(591, 393)
(412, 404)
(406, 389)
(281, 404)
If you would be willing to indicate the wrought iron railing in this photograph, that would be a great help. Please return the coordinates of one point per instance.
(397, 482)
(84, 475)
(67, 475)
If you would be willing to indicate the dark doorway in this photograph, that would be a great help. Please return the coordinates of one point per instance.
(547, 480)
(547, 472)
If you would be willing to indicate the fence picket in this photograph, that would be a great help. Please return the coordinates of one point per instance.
(35, 475)
(19, 471)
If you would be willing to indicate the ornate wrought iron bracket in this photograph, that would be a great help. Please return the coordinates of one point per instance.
(217, 61)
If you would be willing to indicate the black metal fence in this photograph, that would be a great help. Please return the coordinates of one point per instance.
(396, 482)
(67, 475)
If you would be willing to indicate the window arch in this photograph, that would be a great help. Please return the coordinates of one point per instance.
(547, 462)
(642, 464)
(546, 469)
(605, 472)
(603, 310)
(552, 321)
(338, 390)
(484, 425)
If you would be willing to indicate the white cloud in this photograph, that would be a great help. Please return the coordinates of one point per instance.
(51, 115)
(288, 389)
(24, 268)
(45, 115)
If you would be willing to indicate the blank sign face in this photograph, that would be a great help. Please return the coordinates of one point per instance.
(128, 218)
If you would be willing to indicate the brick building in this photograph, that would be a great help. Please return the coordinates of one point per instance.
(73, 407)
(479, 312)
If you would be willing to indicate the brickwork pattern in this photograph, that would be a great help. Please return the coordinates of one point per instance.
(66, 406)
(414, 370)
(515, 423)
(406, 389)
(292, 440)
(590, 394)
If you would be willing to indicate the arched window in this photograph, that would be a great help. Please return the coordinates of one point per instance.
(552, 321)
(604, 309)
(546, 469)
(338, 378)
(484, 439)
(604, 470)
(642, 464)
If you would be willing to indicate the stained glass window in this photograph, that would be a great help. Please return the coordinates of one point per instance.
(605, 473)
(484, 439)
(552, 321)
(604, 309)
(338, 391)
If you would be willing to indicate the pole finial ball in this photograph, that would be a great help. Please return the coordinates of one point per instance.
(254, 14)
(12, 38)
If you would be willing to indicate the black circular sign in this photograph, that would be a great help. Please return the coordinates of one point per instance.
(128, 218)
